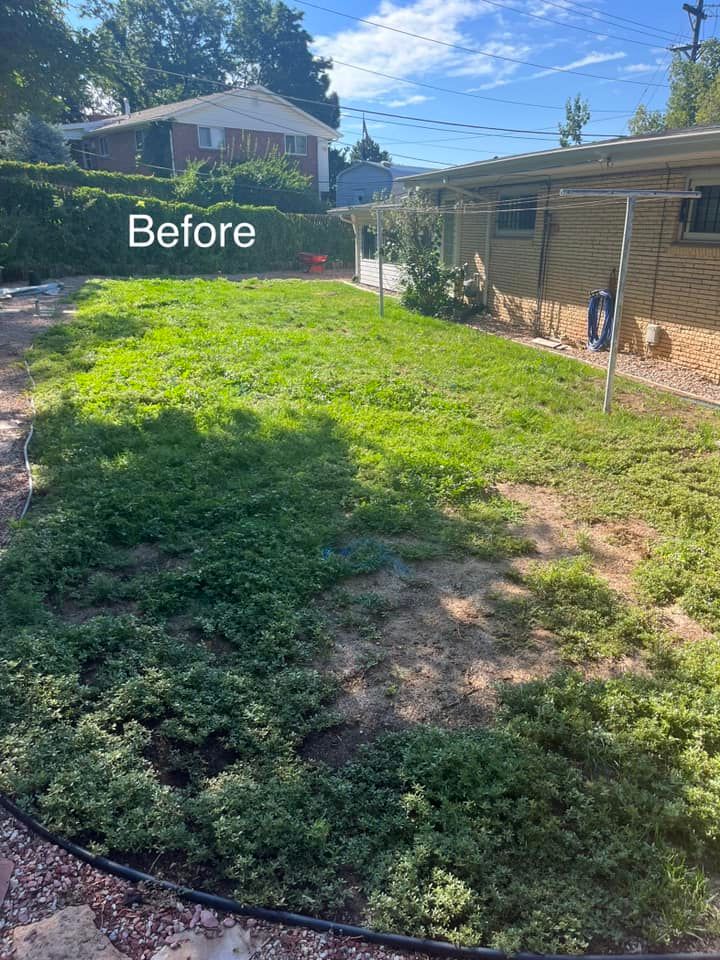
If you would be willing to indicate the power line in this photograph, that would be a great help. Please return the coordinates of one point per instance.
(609, 17)
(568, 26)
(258, 95)
(474, 50)
(251, 94)
(469, 126)
(458, 93)
(386, 76)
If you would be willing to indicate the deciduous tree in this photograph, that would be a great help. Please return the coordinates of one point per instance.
(268, 44)
(577, 114)
(42, 62)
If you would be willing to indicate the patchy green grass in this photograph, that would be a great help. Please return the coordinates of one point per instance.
(591, 620)
(210, 458)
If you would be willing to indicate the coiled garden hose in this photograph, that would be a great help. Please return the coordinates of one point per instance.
(601, 301)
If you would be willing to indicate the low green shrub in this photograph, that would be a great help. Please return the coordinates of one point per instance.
(591, 619)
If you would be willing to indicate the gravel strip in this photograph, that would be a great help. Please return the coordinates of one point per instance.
(19, 325)
(662, 373)
(46, 879)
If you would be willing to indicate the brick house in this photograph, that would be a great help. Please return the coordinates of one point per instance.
(233, 123)
(537, 256)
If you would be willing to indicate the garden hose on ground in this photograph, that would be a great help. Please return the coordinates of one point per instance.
(600, 301)
(395, 941)
(28, 438)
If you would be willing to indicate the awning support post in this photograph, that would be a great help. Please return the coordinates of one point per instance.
(379, 244)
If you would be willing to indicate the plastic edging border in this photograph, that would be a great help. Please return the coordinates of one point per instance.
(435, 948)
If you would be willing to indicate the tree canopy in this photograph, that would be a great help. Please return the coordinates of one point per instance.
(157, 51)
(268, 44)
(368, 149)
(577, 114)
(694, 94)
(41, 68)
(148, 50)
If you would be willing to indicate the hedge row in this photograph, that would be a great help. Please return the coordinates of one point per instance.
(51, 231)
(246, 186)
(70, 175)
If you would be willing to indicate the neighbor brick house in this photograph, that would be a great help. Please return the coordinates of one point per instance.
(537, 256)
(231, 124)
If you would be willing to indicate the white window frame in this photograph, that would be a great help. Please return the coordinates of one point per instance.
(103, 147)
(291, 144)
(710, 179)
(519, 193)
(216, 137)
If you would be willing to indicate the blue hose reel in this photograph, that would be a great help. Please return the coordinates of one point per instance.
(601, 303)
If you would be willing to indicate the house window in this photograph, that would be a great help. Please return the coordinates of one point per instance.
(211, 138)
(516, 215)
(139, 139)
(369, 243)
(103, 148)
(703, 215)
(296, 144)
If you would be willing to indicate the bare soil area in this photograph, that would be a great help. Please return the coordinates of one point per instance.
(432, 645)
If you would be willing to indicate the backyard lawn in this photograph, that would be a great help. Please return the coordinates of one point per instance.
(260, 508)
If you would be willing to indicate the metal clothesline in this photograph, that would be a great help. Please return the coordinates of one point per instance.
(630, 197)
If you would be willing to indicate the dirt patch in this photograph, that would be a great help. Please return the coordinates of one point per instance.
(433, 644)
(614, 547)
(20, 323)
(426, 648)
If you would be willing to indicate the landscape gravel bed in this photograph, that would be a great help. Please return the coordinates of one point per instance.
(46, 879)
(662, 373)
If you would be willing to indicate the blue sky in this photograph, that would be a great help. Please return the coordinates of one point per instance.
(611, 48)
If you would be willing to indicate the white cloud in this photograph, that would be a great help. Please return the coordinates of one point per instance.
(402, 56)
(408, 101)
(639, 67)
(586, 61)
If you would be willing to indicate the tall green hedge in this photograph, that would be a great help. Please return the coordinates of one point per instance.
(258, 182)
(70, 175)
(57, 232)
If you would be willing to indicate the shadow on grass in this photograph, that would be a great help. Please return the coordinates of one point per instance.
(566, 823)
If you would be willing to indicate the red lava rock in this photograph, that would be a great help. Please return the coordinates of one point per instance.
(140, 930)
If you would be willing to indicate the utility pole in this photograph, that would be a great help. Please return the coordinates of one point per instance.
(696, 15)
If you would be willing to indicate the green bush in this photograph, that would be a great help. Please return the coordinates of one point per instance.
(259, 181)
(70, 175)
(57, 232)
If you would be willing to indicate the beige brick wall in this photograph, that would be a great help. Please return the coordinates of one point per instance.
(672, 283)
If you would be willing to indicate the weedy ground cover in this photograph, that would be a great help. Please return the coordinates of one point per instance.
(212, 460)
